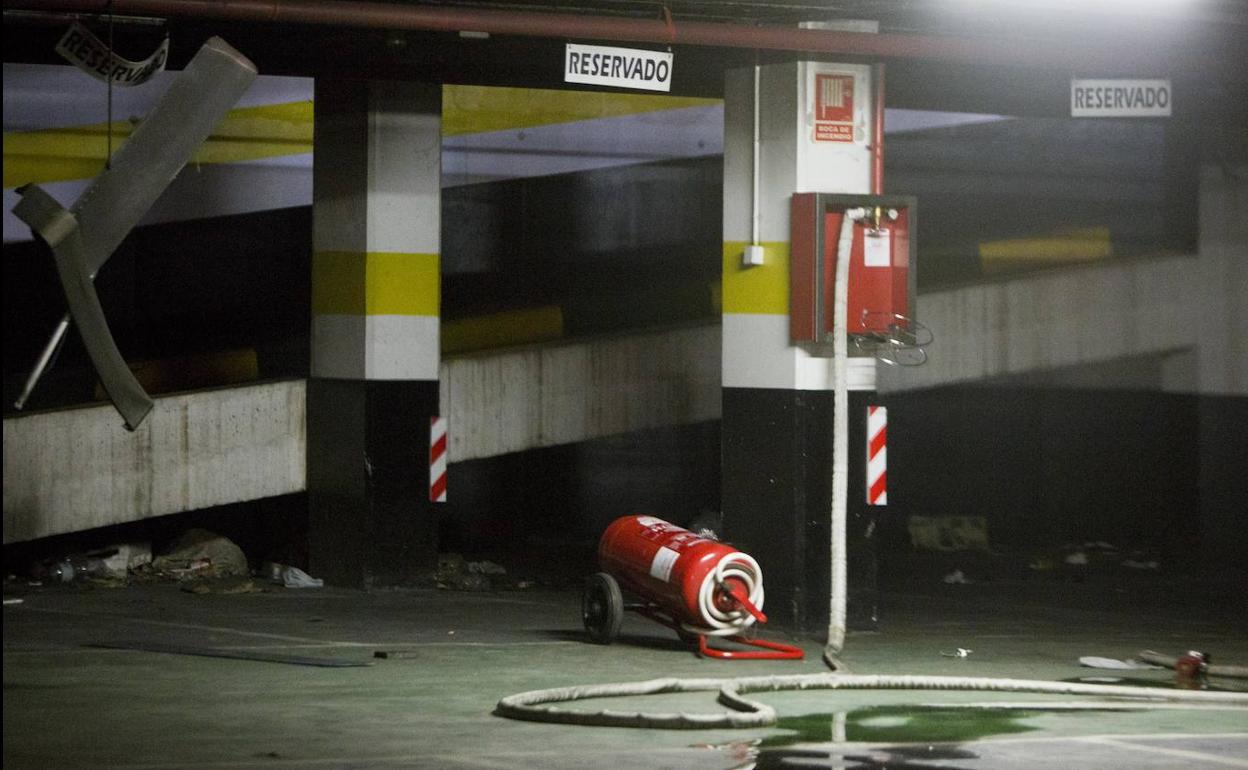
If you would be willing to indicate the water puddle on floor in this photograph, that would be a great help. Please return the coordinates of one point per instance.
(901, 736)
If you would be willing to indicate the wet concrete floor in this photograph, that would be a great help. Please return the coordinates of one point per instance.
(452, 655)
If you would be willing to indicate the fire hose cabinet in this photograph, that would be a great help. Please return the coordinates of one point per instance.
(881, 291)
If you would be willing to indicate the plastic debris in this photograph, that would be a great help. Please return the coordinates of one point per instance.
(13, 601)
(293, 577)
(948, 533)
(1134, 564)
(200, 552)
(957, 578)
(1078, 558)
(960, 652)
(1130, 664)
(127, 558)
(486, 568)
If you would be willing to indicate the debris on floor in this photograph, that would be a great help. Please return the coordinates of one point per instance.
(486, 568)
(948, 533)
(200, 553)
(956, 578)
(293, 577)
(456, 574)
(1130, 664)
(960, 652)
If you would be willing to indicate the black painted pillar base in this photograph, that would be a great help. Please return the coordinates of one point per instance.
(777, 501)
(370, 519)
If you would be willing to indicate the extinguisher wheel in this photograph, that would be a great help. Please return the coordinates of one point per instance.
(602, 608)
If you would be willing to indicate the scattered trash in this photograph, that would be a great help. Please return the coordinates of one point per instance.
(1133, 564)
(1078, 558)
(200, 552)
(949, 533)
(128, 558)
(197, 568)
(957, 578)
(293, 577)
(486, 568)
(76, 568)
(1130, 664)
(456, 574)
(525, 584)
(13, 601)
(960, 652)
(1041, 564)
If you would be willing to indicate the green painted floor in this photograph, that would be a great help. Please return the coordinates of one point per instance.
(453, 655)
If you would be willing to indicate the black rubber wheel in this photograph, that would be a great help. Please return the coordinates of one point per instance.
(602, 608)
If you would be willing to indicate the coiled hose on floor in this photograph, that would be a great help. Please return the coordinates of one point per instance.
(539, 705)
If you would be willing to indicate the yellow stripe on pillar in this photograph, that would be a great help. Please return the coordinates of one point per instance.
(375, 283)
(758, 288)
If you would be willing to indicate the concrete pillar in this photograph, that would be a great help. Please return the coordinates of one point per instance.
(778, 397)
(375, 330)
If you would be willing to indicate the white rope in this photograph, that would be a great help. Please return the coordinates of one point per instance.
(536, 705)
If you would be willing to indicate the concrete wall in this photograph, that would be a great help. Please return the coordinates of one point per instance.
(1101, 313)
(497, 403)
(77, 469)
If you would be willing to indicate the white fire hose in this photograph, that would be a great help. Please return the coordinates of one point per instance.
(840, 438)
(742, 567)
(540, 705)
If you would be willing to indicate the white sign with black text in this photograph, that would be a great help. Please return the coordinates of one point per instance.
(618, 67)
(94, 57)
(1120, 98)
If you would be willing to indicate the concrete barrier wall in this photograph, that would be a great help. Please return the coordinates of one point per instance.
(77, 469)
(544, 396)
(1039, 322)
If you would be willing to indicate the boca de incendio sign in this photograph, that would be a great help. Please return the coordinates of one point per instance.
(1117, 98)
(617, 67)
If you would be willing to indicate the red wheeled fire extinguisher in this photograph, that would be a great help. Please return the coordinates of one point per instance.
(697, 586)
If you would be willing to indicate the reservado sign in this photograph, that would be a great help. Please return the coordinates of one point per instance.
(91, 55)
(1120, 98)
(617, 67)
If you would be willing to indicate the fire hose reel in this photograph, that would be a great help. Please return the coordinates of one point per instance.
(695, 585)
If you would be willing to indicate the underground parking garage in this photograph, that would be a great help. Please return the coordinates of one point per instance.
(381, 389)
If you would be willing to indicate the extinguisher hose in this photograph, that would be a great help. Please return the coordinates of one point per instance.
(739, 566)
(538, 705)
